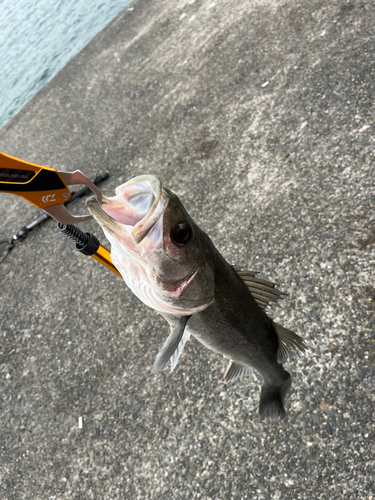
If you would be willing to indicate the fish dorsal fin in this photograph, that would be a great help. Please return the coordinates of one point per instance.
(236, 370)
(290, 344)
(263, 291)
(171, 345)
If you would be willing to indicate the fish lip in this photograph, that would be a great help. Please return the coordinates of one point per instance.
(103, 219)
(141, 229)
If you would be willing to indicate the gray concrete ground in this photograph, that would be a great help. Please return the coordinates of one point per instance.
(260, 115)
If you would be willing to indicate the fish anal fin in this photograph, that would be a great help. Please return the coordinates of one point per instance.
(235, 371)
(290, 344)
(263, 291)
(170, 345)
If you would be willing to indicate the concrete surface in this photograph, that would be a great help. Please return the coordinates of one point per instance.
(260, 115)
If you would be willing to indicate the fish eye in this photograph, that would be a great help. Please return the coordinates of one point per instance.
(181, 234)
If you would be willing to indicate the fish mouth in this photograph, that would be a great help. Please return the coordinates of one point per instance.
(136, 208)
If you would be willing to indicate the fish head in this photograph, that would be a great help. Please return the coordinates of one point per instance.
(156, 246)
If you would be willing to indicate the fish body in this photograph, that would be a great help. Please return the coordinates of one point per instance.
(173, 267)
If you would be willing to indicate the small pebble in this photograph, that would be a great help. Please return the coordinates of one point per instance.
(361, 374)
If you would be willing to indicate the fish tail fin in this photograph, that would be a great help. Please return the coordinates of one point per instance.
(272, 399)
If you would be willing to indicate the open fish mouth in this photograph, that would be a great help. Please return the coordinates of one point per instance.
(136, 208)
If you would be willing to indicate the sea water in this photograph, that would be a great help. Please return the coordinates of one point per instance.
(39, 37)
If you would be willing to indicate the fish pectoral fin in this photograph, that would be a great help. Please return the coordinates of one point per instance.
(290, 344)
(236, 370)
(171, 345)
(263, 291)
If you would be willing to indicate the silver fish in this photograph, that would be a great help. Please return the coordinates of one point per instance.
(173, 267)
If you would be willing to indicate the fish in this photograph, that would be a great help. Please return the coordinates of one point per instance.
(173, 267)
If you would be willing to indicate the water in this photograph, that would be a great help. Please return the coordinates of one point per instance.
(39, 37)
